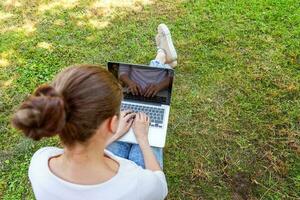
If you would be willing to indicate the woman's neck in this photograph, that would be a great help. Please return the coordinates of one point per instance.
(83, 154)
(84, 164)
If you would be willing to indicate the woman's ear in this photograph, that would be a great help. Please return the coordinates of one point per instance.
(109, 126)
(113, 124)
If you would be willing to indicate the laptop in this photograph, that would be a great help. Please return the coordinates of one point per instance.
(156, 106)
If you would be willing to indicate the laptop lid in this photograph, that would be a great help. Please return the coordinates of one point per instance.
(143, 76)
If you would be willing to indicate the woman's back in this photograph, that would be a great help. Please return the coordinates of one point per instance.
(130, 182)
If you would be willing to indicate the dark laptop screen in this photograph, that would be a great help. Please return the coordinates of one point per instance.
(144, 83)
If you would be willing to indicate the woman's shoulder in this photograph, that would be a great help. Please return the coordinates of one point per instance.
(45, 152)
(38, 166)
(40, 157)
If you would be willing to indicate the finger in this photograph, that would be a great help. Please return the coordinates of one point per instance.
(147, 119)
(146, 91)
(150, 92)
(125, 112)
(142, 92)
(137, 116)
(129, 116)
(130, 122)
(139, 89)
(134, 90)
(148, 88)
(131, 90)
(143, 116)
(154, 93)
(122, 114)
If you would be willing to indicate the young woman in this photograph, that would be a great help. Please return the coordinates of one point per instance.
(82, 107)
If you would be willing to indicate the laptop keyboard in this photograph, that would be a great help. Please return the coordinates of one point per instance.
(156, 114)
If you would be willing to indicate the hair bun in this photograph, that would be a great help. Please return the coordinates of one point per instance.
(42, 115)
(46, 90)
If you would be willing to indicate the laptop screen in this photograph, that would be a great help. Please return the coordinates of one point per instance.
(144, 83)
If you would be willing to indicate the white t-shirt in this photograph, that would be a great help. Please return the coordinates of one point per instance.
(131, 181)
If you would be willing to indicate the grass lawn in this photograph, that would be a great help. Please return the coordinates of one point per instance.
(235, 116)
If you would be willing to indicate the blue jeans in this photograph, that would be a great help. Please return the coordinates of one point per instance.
(133, 152)
(156, 63)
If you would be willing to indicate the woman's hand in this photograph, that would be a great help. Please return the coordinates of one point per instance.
(126, 120)
(151, 90)
(134, 88)
(141, 127)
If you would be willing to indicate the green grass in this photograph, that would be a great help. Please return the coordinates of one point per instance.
(235, 116)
